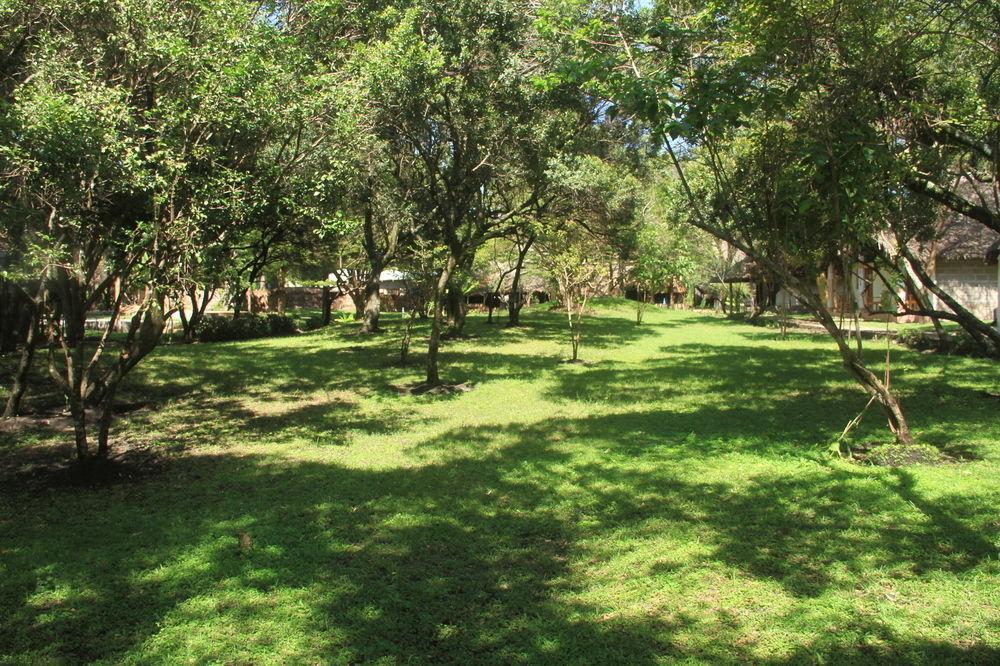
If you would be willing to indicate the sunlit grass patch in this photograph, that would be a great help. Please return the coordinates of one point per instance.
(673, 502)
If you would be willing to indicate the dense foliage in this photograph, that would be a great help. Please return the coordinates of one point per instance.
(159, 156)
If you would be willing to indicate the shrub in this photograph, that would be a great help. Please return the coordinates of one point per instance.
(247, 327)
(306, 322)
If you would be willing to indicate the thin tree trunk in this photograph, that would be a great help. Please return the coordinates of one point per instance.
(13, 406)
(404, 347)
(456, 311)
(16, 315)
(434, 342)
(856, 367)
(281, 294)
(79, 416)
(327, 304)
(144, 333)
(104, 421)
(516, 301)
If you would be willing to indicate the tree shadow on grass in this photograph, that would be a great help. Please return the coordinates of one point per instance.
(782, 397)
(474, 559)
(440, 564)
(337, 360)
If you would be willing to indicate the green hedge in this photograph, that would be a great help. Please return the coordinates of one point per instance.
(245, 327)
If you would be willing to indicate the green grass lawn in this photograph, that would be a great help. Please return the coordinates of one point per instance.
(673, 502)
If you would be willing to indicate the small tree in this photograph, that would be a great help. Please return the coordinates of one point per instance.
(667, 251)
(575, 262)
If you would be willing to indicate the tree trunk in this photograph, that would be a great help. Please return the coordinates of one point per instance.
(457, 310)
(358, 298)
(373, 301)
(856, 367)
(640, 306)
(104, 422)
(239, 300)
(327, 304)
(13, 406)
(144, 333)
(494, 297)
(404, 347)
(516, 301)
(198, 309)
(16, 316)
(79, 416)
(434, 342)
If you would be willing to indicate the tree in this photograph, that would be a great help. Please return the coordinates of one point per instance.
(574, 260)
(667, 250)
(453, 94)
(761, 127)
(126, 157)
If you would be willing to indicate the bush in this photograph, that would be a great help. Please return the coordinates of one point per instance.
(246, 327)
(306, 322)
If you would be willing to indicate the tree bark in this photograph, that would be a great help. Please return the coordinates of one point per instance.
(516, 300)
(954, 202)
(280, 292)
(16, 315)
(79, 416)
(327, 304)
(434, 342)
(373, 301)
(198, 309)
(104, 421)
(144, 333)
(13, 406)
(404, 347)
(855, 366)
(457, 310)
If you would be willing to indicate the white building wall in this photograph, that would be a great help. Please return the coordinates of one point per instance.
(972, 283)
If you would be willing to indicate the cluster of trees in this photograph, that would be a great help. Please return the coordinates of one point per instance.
(156, 152)
(808, 133)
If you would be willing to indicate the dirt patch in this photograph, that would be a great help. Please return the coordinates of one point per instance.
(586, 364)
(899, 455)
(59, 421)
(51, 465)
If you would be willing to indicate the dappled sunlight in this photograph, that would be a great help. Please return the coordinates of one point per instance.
(674, 501)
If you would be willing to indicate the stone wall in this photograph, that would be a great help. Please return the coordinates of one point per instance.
(972, 283)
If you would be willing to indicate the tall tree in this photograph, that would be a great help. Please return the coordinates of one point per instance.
(452, 88)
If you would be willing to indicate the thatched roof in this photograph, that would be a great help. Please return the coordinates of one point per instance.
(962, 239)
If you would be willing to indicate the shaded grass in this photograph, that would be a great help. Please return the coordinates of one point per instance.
(673, 502)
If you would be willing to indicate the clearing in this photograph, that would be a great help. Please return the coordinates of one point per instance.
(674, 500)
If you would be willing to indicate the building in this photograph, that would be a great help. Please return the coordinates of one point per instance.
(963, 261)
